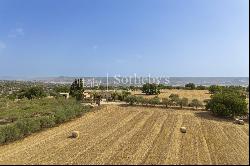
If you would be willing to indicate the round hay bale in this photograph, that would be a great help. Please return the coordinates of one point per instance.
(75, 134)
(236, 121)
(241, 122)
(183, 129)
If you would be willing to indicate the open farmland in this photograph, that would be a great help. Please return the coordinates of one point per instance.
(135, 135)
(190, 94)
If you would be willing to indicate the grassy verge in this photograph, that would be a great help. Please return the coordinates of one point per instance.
(22, 118)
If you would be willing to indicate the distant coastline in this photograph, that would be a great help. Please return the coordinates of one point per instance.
(174, 81)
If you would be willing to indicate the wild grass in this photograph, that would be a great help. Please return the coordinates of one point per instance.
(24, 117)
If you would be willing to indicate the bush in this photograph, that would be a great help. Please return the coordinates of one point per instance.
(32, 92)
(2, 135)
(60, 116)
(154, 101)
(182, 102)
(166, 102)
(227, 104)
(140, 100)
(174, 99)
(9, 133)
(196, 103)
(28, 126)
(215, 89)
(122, 96)
(190, 86)
(47, 121)
(201, 87)
(131, 99)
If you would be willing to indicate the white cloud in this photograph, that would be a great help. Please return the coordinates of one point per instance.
(2, 45)
(16, 32)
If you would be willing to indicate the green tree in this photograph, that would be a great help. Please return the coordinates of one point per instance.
(166, 102)
(183, 102)
(215, 89)
(154, 101)
(131, 99)
(62, 88)
(114, 96)
(190, 86)
(76, 89)
(150, 89)
(133, 88)
(196, 103)
(32, 92)
(161, 86)
(201, 87)
(227, 104)
(123, 95)
(174, 99)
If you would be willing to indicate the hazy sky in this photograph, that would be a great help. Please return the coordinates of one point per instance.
(95, 37)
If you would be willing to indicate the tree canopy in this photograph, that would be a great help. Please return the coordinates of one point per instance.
(227, 104)
(150, 89)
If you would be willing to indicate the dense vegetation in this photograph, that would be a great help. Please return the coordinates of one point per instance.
(21, 118)
(76, 89)
(150, 89)
(227, 104)
(31, 93)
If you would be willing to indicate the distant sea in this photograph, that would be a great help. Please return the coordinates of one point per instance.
(137, 81)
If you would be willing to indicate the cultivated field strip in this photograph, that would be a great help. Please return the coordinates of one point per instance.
(134, 135)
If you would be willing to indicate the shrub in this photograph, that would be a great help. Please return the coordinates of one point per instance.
(28, 126)
(227, 104)
(196, 103)
(131, 99)
(47, 121)
(114, 96)
(140, 100)
(154, 101)
(143, 101)
(2, 135)
(123, 95)
(174, 99)
(166, 102)
(190, 86)
(9, 133)
(214, 89)
(60, 116)
(32, 92)
(183, 102)
(201, 87)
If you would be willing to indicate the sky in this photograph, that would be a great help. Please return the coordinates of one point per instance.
(173, 38)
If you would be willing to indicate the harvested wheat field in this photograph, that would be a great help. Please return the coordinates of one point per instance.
(190, 94)
(135, 135)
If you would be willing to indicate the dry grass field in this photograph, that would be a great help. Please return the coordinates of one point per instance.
(135, 135)
(190, 94)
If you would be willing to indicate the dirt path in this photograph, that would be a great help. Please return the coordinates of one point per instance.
(134, 135)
